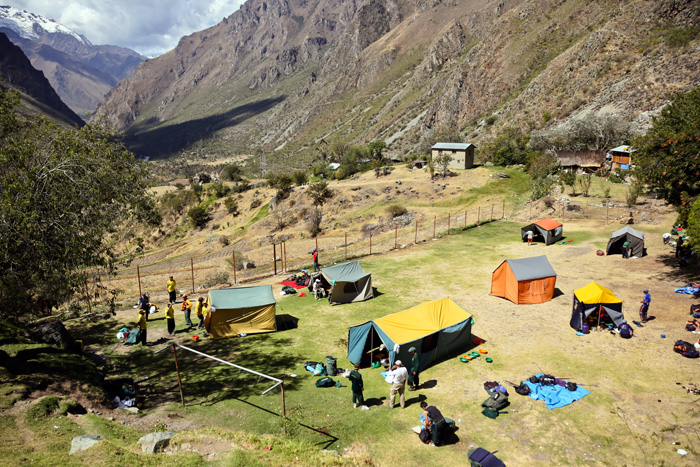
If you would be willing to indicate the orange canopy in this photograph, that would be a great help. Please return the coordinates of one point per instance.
(548, 224)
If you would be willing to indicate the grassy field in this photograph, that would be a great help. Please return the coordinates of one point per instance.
(636, 410)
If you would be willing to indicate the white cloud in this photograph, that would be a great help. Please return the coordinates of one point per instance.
(147, 26)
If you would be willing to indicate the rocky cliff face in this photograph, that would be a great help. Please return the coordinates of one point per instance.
(280, 75)
(80, 72)
(18, 74)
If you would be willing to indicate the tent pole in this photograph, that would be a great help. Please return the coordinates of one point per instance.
(179, 381)
(284, 407)
(138, 274)
(192, 269)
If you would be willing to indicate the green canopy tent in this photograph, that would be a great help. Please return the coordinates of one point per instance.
(347, 282)
(240, 310)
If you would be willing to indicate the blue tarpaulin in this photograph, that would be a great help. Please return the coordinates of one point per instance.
(555, 396)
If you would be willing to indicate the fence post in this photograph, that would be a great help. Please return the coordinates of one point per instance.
(465, 219)
(504, 210)
(491, 213)
(316, 243)
(561, 211)
(346, 246)
(448, 223)
(478, 216)
(274, 257)
(434, 225)
(370, 244)
(233, 254)
(415, 237)
(530, 218)
(285, 256)
(138, 274)
(607, 206)
(396, 236)
(192, 269)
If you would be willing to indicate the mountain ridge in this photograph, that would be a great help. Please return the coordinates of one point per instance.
(307, 71)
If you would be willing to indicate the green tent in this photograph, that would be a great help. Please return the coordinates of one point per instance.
(347, 282)
(240, 310)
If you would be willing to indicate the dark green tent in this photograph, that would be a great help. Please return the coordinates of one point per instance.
(347, 282)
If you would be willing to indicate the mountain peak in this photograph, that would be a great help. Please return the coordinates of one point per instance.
(32, 26)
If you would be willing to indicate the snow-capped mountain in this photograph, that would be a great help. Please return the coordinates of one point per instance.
(30, 26)
(80, 72)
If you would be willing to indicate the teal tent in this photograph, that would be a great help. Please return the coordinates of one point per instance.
(347, 282)
(436, 329)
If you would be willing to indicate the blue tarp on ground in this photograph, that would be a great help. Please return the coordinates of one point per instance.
(690, 290)
(555, 396)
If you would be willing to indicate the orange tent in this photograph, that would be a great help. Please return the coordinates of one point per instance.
(524, 281)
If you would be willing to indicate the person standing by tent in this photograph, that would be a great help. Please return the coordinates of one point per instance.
(201, 309)
(144, 303)
(413, 381)
(314, 255)
(143, 333)
(435, 422)
(529, 237)
(318, 289)
(170, 287)
(399, 375)
(644, 309)
(626, 249)
(170, 318)
(187, 308)
(358, 387)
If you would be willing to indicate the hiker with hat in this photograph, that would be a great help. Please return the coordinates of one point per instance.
(143, 333)
(399, 375)
(358, 386)
(170, 287)
(413, 381)
(201, 309)
(434, 422)
(170, 319)
(314, 255)
(187, 308)
(644, 309)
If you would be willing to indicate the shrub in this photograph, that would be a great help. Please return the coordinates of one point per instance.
(215, 278)
(232, 172)
(300, 177)
(633, 192)
(568, 178)
(241, 187)
(490, 120)
(219, 189)
(231, 206)
(606, 192)
(320, 192)
(542, 187)
(224, 240)
(678, 37)
(396, 210)
(584, 182)
(198, 215)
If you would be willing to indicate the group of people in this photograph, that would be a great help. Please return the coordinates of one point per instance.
(146, 307)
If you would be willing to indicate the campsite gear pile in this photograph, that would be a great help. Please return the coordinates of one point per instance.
(288, 290)
(125, 390)
(480, 457)
(685, 348)
(554, 391)
(497, 400)
(326, 371)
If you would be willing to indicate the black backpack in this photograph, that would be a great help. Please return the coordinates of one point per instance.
(686, 349)
(547, 380)
(480, 457)
(695, 311)
(523, 389)
(325, 382)
(692, 325)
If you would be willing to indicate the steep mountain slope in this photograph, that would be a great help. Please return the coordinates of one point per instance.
(283, 75)
(81, 73)
(38, 97)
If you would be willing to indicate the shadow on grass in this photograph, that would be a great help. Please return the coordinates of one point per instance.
(430, 384)
(286, 322)
(375, 401)
(686, 274)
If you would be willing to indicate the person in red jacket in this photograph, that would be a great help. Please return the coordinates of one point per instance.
(314, 254)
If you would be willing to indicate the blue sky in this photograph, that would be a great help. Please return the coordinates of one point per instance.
(150, 27)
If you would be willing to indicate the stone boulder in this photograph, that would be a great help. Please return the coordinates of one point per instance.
(153, 443)
(81, 443)
(54, 333)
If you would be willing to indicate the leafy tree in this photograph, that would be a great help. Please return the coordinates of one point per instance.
(198, 215)
(64, 196)
(300, 177)
(542, 164)
(694, 226)
(232, 172)
(219, 189)
(320, 192)
(443, 160)
(584, 182)
(231, 206)
(568, 178)
(376, 149)
(668, 156)
(509, 147)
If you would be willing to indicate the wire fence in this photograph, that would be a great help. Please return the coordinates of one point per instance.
(248, 260)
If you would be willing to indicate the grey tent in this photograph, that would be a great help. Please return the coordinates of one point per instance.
(546, 230)
(348, 282)
(627, 233)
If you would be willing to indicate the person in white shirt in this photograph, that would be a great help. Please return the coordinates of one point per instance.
(318, 289)
(399, 375)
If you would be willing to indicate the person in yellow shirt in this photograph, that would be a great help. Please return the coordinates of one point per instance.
(187, 308)
(170, 287)
(170, 319)
(201, 311)
(143, 334)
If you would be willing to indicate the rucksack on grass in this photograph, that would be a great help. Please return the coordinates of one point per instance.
(692, 325)
(686, 349)
(695, 311)
(325, 382)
